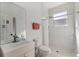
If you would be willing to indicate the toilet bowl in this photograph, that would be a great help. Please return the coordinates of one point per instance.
(44, 51)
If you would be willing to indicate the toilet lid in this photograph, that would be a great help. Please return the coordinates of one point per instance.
(44, 48)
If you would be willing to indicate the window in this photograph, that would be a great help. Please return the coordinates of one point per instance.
(60, 18)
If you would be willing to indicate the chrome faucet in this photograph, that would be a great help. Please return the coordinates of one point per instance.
(15, 37)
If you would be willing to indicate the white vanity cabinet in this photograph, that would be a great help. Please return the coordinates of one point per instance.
(21, 50)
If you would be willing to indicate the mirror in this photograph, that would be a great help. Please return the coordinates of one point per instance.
(12, 21)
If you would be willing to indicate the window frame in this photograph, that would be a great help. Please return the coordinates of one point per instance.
(59, 16)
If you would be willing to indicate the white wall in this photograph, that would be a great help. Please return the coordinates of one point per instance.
(34, 14)
(77, 25)
(45, 32)
(36, 11)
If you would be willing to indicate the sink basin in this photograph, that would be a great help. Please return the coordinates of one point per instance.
(13, 45)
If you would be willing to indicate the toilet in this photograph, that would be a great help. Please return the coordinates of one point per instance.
(44, 51)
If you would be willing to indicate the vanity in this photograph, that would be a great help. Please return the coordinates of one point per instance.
(19, 49)
(13, 26)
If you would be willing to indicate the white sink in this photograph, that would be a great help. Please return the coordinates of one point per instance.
(14, 44)
(11, 46)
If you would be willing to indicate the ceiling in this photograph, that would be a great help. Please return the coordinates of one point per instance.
(46, 4)
(52, 4)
